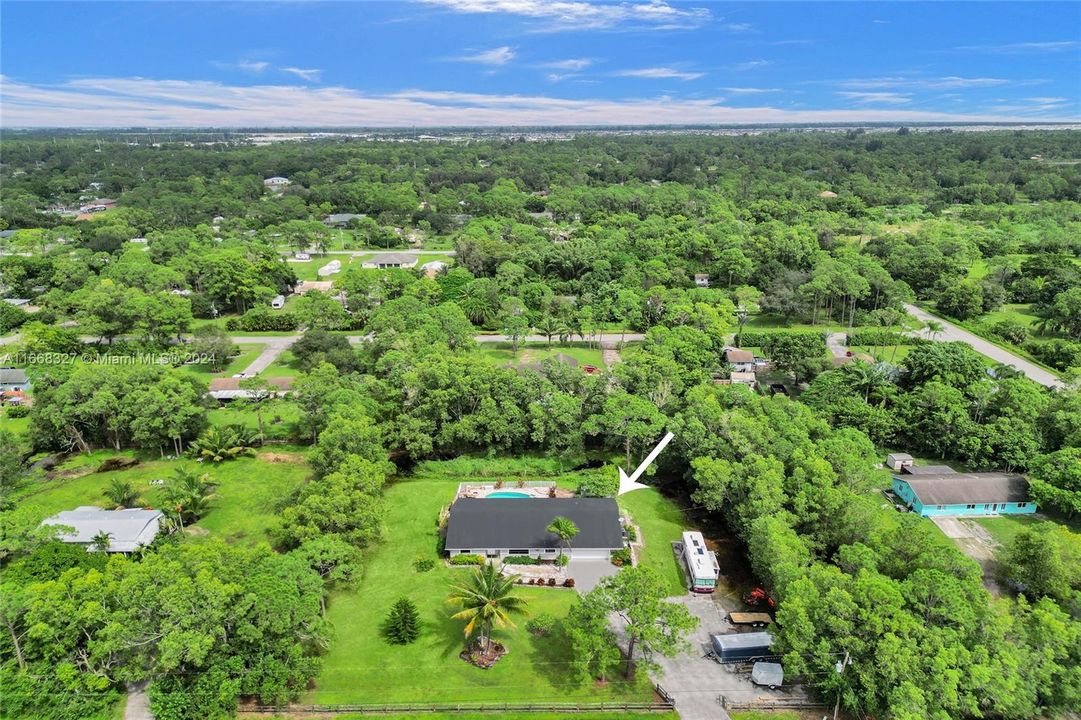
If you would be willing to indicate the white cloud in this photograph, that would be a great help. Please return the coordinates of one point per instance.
(1021, 48)
(941, 83)
(887, 98)
(125, 102)
(311, 75)
(660, 73)
(495, 56)
(737, 27)
(569, 64)
(251, 66)
(749, 90)
(750, 65)
(570, 15)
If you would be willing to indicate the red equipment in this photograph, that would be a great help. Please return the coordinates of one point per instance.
(759, 596)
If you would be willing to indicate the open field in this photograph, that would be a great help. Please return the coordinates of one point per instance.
(285, 365)
(14, 425)
(279, 417)
(1004, 528)
(501, 353)
(536, 669)
(248, 353)
(249, 489)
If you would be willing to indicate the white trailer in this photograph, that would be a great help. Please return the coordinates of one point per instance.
(701, 563)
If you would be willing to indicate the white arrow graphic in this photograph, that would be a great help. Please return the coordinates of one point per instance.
(628, 483)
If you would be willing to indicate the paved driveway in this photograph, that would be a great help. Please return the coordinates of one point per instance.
(588, 573)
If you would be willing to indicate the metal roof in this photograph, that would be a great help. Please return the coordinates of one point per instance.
(735, 355)
(735, 641)
(128, 529)
(489, 523)
(968, 488)
(928, 470)
(392, 259)
(12, 376)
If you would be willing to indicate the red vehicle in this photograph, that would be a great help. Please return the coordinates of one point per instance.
(759, 596)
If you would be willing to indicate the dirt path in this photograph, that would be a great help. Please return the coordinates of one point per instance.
(973, 540)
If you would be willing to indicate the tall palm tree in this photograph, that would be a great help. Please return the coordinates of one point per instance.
(121, 493)
(564, 529)
(486, 602)
(934, 329)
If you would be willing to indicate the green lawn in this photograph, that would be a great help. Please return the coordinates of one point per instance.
(285, 365)
(660, 521)
(14, 425)
(248, 353)
(522, 716)
(249, 490)
(884, 353)
(279, 416)
(361, 667)
(1005, 528)
(501, 353)
(1020, 313)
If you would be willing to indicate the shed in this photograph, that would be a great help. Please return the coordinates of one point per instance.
(897, 461)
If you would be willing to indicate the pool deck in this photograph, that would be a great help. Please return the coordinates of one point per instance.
(530, 489)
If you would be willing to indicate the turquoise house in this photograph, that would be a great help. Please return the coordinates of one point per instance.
(952, 494)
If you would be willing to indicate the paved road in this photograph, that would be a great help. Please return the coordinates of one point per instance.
(954, 333)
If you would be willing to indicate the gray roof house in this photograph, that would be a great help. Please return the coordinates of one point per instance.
(13, 379)
(496, 527)
(390, 260)
(128, 529)
(341, 219)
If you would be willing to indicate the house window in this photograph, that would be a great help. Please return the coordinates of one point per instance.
(549, 550)
(970, 507)
(465, 552)
(518, 552)
(987, 506)
(1021, 505)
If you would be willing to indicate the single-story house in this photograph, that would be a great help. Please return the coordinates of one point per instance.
(701, 280)
(229, 388)
(964, 494)
(898, 461)
(740, 360)
(128, 529)
(277, 182)
(14, 379)
(340, 220)
(383, 261)
(497, 527)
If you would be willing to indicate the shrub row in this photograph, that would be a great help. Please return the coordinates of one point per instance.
(520, 560)
(263, 320)
(467, 560)
(550, 582)
(1059, 354)
(881, 336)
(759, 338)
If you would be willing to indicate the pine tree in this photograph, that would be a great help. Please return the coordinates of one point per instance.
(403, 622)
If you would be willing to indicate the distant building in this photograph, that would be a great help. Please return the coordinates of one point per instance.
(229, 388)
(949, 494)
(277, 182)
(278, 302)
(827, 194)
(740, 360)
(701, 280)
(340, 220)
(17, 302)
(302, 256)
(433, 268)
(383, 261)
(14, 379)
(331, 268)
(128, 530)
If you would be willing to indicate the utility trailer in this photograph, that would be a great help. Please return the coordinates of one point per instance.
(767, 674)
(741, 647)
(754, 619)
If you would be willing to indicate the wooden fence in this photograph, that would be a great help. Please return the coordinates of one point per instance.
(662, 703)
(770, 703)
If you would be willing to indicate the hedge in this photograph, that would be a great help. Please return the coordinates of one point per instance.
(759, 338)
(881, 336)
(467, 560)
(520, 560)
(262, 320)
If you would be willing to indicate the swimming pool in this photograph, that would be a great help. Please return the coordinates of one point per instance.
(508, 495)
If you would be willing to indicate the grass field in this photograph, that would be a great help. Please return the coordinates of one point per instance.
(429, 670)
(1005, 528)
(285, 365)
(249, 489)
(523, 716)
(501, 353)
(660, 522)
(14, 425)
(279, 417)
(248, 353)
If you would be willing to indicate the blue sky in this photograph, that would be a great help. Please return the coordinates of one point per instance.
(499, 62)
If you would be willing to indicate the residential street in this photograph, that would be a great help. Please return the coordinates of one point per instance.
(951, 332)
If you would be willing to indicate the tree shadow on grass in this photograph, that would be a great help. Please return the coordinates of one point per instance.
(551, 655)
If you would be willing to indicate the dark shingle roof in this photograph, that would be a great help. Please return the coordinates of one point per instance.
(482, 523)
(968, 488)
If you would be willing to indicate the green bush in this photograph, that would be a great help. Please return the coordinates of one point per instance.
(520, 560)
(621, 557)
(17, 411)
(402, 625)
(541, 624)
(880, 336)
(422, 565)
(562, 560)
(602, 484)
(263, 319)
(467, 560)
(632, 533)
(761, 338)
(1059, 354)
(1010, 331)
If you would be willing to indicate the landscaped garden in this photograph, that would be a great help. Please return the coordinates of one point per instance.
(536, 669)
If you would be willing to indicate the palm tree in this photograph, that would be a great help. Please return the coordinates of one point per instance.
(222, 443)
(564, 529)
(486, 602)
(549, 327)
(101, 541)
(121, 493)
(869, 379)
(187, 494)
(934, 328)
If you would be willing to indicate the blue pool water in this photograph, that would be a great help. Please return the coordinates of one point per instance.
(507, 495)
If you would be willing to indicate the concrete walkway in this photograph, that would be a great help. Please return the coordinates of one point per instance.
(137, 706)
(951, 332)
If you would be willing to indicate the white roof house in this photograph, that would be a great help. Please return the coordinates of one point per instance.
(128, 529)
(332, 267)
(277, 181)
(390, 260)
